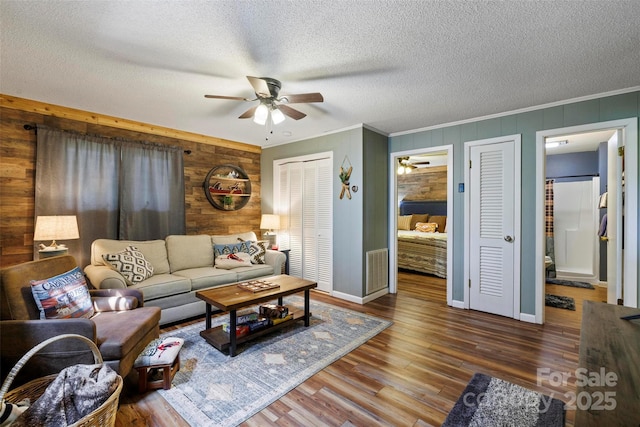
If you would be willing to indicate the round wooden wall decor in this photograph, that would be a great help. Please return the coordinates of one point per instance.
(227, 187)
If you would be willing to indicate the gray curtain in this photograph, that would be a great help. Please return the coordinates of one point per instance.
(152, 192)
(117, 189)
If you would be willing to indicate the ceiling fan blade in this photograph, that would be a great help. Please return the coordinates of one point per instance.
(303, 98)
(234, 98)
(249, 113)
(259, 86)
(291, 112)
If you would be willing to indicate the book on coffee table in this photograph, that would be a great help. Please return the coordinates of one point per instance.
(257, 285)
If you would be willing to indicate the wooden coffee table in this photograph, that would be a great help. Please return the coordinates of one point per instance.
(231, 298)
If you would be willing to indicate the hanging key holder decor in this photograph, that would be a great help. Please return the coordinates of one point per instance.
(345, 175)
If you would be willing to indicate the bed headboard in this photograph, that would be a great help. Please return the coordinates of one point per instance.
(432, 207)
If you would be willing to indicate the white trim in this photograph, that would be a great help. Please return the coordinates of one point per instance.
(393, 215)
(305, 158)
(519, 111)
(359, 300)
(630, 135)
(517, 216)
(352, 298)
(457, 304)
(530, 318)
(371, 297)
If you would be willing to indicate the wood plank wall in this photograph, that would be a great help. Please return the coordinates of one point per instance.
(17, 170)
(423, 184)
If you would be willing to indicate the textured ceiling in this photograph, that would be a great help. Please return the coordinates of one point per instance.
(394, 66)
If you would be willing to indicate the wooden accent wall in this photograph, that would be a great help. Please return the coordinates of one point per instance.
(18, 157)
(424, 184)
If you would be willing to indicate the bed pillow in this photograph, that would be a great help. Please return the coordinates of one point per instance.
(404, 222)
(133, 266)
(441, 220)
(427, 227)
(63, 296)
(230, 261)
(416, 218)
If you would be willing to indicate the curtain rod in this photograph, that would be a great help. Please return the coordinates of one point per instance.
(32, 127)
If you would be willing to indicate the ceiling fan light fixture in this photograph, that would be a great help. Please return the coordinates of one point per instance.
(277, 116)
(261, 114)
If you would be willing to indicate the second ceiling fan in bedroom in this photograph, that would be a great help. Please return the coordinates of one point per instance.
(271, 105)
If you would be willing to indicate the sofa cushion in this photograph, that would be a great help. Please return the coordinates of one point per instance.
(131, 263)
(189, 252)
(63, 296)
(206, 277)
(256, 270)
(116, 341)
(233, 238)
(162, 285)
(154, 251)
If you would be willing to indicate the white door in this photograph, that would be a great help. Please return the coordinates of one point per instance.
(493, 277)
(317, 224)
(304, 192)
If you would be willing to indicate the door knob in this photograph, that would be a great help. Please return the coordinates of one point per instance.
(508, 238)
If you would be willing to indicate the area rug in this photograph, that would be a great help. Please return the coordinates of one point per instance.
(571, 283)
(558, 301)
(488, 401)
(212, 388)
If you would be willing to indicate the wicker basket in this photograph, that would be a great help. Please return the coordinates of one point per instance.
(104, 415)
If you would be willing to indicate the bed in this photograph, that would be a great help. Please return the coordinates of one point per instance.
(424, 252)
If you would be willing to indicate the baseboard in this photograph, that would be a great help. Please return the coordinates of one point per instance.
(360, 300)
(457, 304)
(375, 295)
(529, 318)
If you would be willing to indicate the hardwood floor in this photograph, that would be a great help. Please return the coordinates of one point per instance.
(412, 373)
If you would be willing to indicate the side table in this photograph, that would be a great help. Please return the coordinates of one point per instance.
(286, 262)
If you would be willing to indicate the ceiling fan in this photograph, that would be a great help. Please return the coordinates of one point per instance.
(271, 105)
(406, 165)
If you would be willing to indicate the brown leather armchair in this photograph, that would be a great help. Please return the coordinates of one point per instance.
(120, 333)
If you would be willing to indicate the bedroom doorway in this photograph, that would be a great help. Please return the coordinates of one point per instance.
(619, 175)
(430, 188)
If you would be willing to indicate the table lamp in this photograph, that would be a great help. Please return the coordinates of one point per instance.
(270, 222)
(55, 227)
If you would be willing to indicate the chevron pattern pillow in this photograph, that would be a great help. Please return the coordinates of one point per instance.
(258, 250)
(131, 264)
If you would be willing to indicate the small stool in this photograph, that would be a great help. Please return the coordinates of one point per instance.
(162, 354)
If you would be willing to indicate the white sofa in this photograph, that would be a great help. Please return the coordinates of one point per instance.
(182, 265)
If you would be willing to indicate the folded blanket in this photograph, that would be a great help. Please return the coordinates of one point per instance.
(76, 392)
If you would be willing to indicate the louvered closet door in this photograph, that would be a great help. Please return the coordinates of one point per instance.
(294, 215)
(492, 228)
(317, 221)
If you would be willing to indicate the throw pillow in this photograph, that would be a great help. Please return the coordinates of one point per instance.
(230, 261)
(258, 251)
(427, 227)
(416, 218)
(404, 222)
(63, 296)
(131, 264)
(441, 220)
(232, 248)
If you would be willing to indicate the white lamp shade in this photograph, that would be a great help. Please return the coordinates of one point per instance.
(56, 227)
(270, 222)
(277, 116)
(261, 114)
